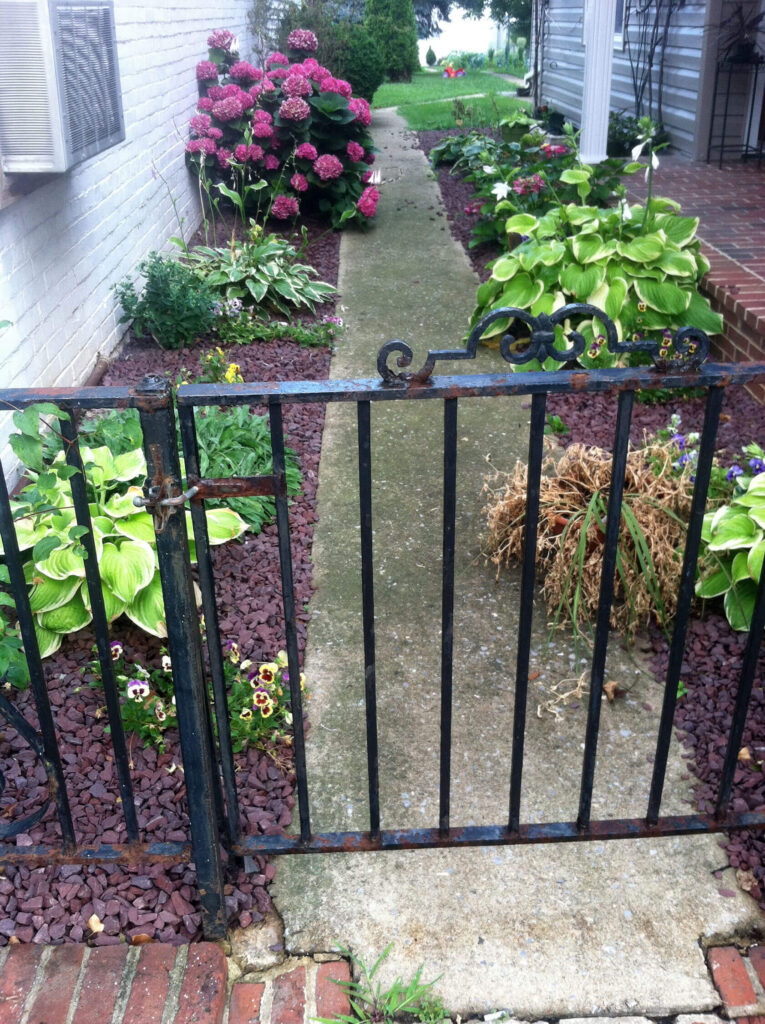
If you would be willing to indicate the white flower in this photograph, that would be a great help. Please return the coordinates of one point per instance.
(137, 689)
(488, 169)
(167, 664)
(501, 190)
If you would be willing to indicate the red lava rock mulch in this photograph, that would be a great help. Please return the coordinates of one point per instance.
(714, 651)
(53, 904)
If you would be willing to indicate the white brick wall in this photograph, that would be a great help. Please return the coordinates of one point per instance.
(65, 244)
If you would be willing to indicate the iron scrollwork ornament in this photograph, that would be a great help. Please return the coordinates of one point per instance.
(686, 350)
(27, 733)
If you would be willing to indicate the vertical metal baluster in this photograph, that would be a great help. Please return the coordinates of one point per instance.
(368, 611)
(684, 598)
(288, 600)
(447, 607)
(185, 644)
(101, 624)
(748, 669)
(36, 673)
(605, 598)
(528, 576)
(212, 628)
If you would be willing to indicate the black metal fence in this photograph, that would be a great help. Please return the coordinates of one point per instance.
(206, 745)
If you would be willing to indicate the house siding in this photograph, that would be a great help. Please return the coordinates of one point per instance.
(63, 245)
(562, 69)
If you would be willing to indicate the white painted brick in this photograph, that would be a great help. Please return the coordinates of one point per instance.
(63, 246)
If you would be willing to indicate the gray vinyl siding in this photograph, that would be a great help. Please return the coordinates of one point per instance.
(562, 69)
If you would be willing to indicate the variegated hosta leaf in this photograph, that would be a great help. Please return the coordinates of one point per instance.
(47, 593)
(62, 563)
(68, 618)
(47, 641)
(127, 567)
(223, 524)
(139, 526)
(113, 605)
(121, 505)
(147, 609)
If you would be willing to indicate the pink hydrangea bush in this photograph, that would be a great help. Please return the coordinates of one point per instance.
(291, 123)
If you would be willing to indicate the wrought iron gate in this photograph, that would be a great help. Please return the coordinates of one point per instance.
(207, 753)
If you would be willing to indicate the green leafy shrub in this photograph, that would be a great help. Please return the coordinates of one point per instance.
(13, 663)
(392, 25)
(174, 306)
(361, 62)
(641, 265)
(430, 57)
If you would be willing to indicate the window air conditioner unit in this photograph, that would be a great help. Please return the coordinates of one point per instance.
(60, 96)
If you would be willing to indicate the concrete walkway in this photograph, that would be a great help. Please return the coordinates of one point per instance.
(556, 931)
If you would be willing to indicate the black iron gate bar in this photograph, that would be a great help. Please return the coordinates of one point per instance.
(684, 370)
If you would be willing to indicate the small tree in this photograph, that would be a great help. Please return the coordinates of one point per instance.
(430, 57)
(391, 24)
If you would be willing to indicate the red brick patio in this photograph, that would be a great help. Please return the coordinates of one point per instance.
(730, 204)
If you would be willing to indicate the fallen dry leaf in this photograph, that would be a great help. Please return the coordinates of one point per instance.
(610, 689)
(141, 940)
(534, 675)
(746, 879)
(744, 754)
(94, 923)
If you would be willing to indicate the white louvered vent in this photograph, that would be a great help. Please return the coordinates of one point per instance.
(60, 98)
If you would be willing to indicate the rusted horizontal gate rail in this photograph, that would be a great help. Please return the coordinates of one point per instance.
(210, 777)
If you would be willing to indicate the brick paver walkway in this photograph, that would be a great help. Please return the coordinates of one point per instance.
(158, 984)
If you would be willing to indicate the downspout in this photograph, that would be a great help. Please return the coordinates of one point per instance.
(599, 24)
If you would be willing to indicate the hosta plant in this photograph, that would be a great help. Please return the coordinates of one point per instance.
(50, 539)
(732, 551)
(641, 266)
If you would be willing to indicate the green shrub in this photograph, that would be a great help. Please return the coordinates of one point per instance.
(361, 61)
(394, 29)
(430, 57)
(174, 307)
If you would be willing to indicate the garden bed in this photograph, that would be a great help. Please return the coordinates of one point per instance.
(54, 904)
(713, 654)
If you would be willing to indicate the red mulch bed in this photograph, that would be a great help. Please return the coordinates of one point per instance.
(53, 904)
(713, 651)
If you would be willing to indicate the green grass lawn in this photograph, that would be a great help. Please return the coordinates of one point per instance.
(428, 85)
(484, 110)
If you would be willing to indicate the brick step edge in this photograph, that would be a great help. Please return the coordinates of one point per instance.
(740, 980)
(159, 983)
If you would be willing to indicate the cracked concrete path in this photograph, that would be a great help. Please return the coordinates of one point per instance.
(548, 931)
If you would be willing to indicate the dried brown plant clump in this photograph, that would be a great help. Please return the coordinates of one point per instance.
(572, 517)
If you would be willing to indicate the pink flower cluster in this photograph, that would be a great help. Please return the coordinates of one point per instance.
(355, 151)
(359, 106)
(367, 204)
(306, 151)
(328, 167)
(550, 150)
(302, 39)
(228, 109)
(294, 109)
(243, 153)
(297, 85)
(299, 182)
(207, 71)
(284, 207)
(221, 39)
(277, 74)
(524, 186)
(338, 85)
(315, 71)
(243, 71)
(206, 146)
(276, 58)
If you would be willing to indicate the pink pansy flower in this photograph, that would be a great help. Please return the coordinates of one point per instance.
(328, 167)
(284, 207)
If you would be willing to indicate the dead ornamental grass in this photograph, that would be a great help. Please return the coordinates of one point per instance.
(573, 505)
